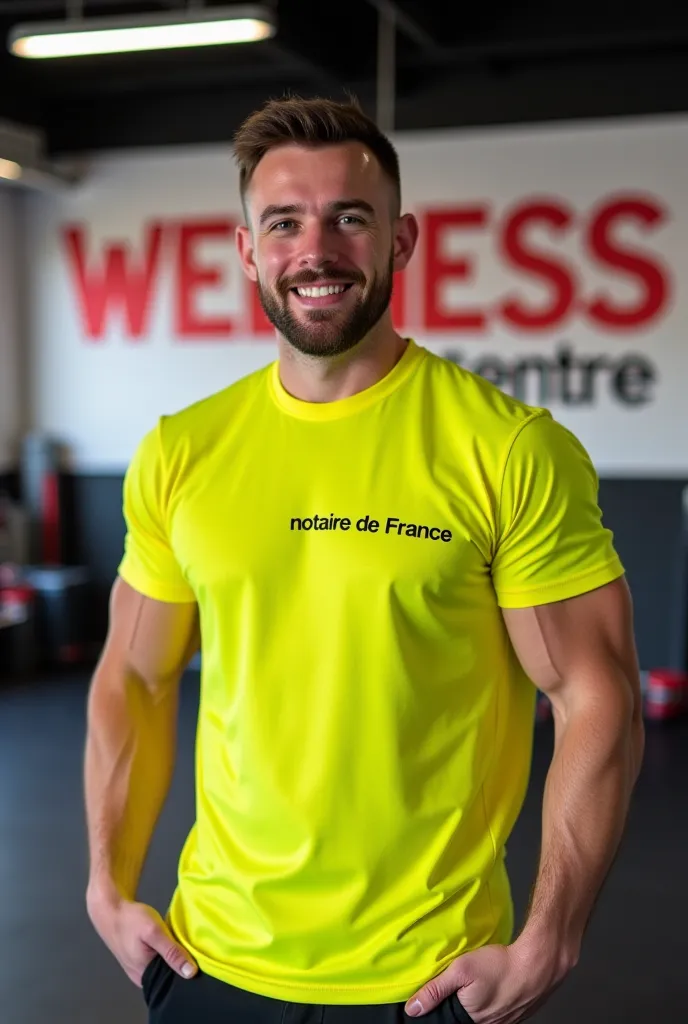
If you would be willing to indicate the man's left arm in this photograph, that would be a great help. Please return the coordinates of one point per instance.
(581, 653)
(567, 608)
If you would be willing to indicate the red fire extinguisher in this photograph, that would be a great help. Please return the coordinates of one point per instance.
(667, 694)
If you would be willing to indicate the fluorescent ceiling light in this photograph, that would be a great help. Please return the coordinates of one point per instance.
(10, 170)
(189, 27)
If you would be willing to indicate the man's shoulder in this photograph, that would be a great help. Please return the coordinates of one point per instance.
(182, 437)
(208, 419)
(215, 407)
(465, 397)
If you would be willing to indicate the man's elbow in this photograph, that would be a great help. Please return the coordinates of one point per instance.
(624, 715)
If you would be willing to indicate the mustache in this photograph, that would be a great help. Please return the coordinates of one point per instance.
(309, 277)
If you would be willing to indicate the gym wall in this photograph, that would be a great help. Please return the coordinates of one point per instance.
(550, 261)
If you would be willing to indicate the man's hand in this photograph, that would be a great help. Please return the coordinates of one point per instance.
(134, 933)
(495, 985)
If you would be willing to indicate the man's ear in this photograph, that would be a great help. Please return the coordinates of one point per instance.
(245, 248)
(405, 239)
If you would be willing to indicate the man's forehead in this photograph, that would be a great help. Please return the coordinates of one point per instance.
(306, 169)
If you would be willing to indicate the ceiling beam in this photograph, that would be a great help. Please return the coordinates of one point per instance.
(561, 46)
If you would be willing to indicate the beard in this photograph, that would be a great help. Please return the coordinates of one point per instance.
(327, 332)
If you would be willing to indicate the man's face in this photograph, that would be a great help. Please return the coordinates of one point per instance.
(322, 244)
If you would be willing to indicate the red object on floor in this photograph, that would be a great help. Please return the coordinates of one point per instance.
(51, 520)
(16, 601)
(667, 694)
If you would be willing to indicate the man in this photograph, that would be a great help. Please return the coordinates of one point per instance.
(379, 554)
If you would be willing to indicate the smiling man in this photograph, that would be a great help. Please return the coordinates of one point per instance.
(382, 558)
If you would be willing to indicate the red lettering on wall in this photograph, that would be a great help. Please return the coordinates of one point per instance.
(193, 276)
(559, 278)
(121, 283)
(440, 269)
(652, 278)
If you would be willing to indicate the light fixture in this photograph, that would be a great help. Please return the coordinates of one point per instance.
(10, 170)
(25, 163)
(190, 27)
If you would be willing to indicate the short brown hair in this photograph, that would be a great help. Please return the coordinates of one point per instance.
(310, 122)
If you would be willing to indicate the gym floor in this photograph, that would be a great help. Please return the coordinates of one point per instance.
(55, 970)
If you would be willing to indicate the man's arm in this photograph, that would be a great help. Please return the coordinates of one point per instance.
(581, 653)
(129, 756)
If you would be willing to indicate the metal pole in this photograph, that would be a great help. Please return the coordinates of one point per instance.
(386, 69)
(411, 29)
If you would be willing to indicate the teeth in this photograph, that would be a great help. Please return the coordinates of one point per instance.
(315, 293)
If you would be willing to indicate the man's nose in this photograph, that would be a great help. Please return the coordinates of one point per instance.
(317, 247)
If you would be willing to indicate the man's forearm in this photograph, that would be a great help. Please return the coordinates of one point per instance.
(596, 761)
(129, 759)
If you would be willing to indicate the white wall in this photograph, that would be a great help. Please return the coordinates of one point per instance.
(99, 388)
(9, 328)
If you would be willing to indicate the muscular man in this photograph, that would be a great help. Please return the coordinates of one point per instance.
(382, 557)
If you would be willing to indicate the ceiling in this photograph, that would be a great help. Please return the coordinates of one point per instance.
(456, 64)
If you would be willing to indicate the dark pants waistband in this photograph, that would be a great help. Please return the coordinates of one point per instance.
(173, 1000)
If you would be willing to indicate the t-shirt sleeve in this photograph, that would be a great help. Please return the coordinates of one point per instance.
(551, 544)
(149, 564)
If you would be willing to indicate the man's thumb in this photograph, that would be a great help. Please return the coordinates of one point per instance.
(432, 994)
(177, 958)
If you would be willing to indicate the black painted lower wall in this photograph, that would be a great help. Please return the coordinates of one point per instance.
(650, 530)
(647, 517)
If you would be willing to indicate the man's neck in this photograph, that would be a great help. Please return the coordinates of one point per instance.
(317, 379)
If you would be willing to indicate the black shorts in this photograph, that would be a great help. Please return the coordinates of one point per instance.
(174, 1000)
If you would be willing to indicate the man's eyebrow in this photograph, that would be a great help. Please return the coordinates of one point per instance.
(279, 211)
(352, 204)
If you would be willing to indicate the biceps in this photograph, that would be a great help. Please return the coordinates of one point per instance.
(155, 639)
(584, 641)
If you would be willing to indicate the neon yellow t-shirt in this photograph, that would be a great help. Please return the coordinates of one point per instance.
(365, 729)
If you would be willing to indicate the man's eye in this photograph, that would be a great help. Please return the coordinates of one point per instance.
(283, 225)
(350, 218)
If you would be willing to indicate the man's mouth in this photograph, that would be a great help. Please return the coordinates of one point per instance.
(314, 295)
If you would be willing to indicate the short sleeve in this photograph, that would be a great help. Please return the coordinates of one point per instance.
(551, 544)
(149, 564)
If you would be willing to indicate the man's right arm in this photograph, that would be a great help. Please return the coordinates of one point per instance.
(129, 760)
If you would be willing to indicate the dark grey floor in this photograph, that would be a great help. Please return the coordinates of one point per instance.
(54, 970)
